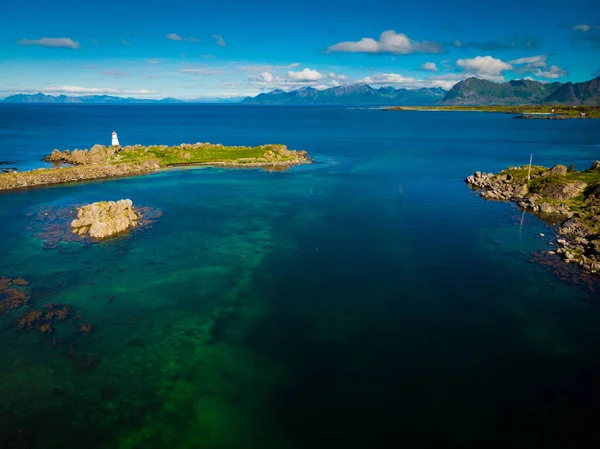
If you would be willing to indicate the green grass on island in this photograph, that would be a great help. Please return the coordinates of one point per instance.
(207, 153)
(198, 153)
(106, 162)
(565, 111)
(540, 182)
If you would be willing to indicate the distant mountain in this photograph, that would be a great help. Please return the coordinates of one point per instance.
(473, 91)
(214, 100)
(86, 99)
(586, 93)
(350, 95)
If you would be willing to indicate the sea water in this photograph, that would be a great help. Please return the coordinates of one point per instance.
(369, 300)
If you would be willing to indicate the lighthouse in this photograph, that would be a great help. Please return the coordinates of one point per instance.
(115, 139)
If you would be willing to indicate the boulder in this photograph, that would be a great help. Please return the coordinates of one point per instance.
(104, 219)
(563, 190)
(557, 170)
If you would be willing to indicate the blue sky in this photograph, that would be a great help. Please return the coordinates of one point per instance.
(231, 48)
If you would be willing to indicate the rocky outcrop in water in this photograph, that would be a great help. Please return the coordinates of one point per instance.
(559, 195)
(107, 162)
(98, 154)
(541, 117)
(7, 167)
(104, 219)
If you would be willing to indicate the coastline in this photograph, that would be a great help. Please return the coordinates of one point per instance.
(532, 112)
(111, 162)
(559, 195)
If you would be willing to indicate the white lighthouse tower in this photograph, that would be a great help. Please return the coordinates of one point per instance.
(115, 139)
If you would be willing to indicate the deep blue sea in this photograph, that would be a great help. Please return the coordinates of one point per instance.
(371, 300)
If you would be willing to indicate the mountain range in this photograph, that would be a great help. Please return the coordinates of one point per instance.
(352, 94)
(472, 91)
(108, 99)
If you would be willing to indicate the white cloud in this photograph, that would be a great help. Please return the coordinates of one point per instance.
(585, 28)
(203, 72)
(336, 77)
(219, 39)
(153, 61)
(305, 75)
(389, 42)
(55, 42)
(268, 67)
(537, 66)
(266, 77)
(177, 37)
(484, 67)
(551, 72)
(124, 42)
(397, 80)
(387, 78)
(266, 80)
(446, 85)
(113, 72)
(94, 90)
(429, 66)
(541, 59)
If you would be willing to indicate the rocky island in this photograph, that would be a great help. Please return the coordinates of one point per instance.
(559, 195)
(105, 218)
(115, 161)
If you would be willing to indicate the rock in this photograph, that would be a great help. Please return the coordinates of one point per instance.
(557, 170)
(595, 165)
(103, 219)
(42, 177)
(521, 191)
(563, 190)
(549, 209)
(594, 247)
(98, 154)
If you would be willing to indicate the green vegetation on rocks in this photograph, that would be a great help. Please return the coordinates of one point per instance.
(556, 111)
(105, 162)
(560, 195)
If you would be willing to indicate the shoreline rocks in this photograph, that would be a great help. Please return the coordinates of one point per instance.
(105, 218)
(558, 195)
(109, 162)
(542, 117)
(98, 154)
(43, 177)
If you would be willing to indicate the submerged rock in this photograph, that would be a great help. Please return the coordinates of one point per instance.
(103, 219)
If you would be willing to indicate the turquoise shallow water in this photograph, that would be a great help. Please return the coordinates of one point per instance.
(367, 300)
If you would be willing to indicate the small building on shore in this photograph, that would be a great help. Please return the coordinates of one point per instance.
(115, 139)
